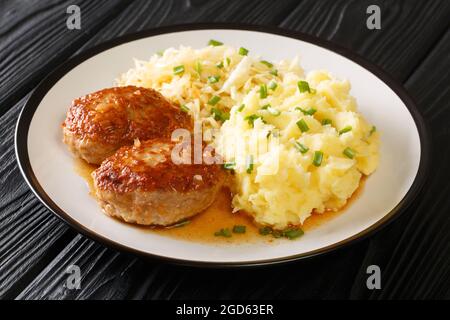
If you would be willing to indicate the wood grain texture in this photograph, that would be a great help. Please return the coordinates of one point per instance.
(34, 39)
(408, 29)
(110, 275)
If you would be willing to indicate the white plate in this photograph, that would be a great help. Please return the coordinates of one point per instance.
(48, 167)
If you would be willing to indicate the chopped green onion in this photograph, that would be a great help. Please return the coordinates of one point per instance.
(317, 160)
(266, 106)
(274, 112)
(239, 229)
(220, 115)
(303, 86)
(308, 112)
(241, 108)
(268, 134)
(178, 69)
(219, 65)
(346, 129)
(215, 43)
(293, 233)
(229, 165)
(249, 164)
(228, 60)
(302, 125)
(251, 119)
(267, 63)
(301, 147)
(243, 51)
(372, 130)
(263, 91)
(213, 79)
(184, 108)
(349, 152)
(213, 101)
(223, 233)
(273, 85)
(265, 230)
(274, 72)
(326, 121)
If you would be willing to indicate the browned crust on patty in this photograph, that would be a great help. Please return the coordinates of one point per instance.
(148, 166)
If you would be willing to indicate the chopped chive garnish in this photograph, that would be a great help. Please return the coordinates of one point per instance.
(345, 129)
(220, 115)
(293, 233)
(178, 69)
(372, 130)
(302, 125)
(349, 152)
(274, 72)
(268, 134)
(239, 229)
(223, 233)
(266, 106)
(274, 112)
(251, 119)
(273, 85)
(243, 51)
(213, 101)
(228, 60)
(303, 86)
(219, 65)
(215, 43)
(229, 165)
(317, 160)
(301, 147)
(263, 91)
(249, 164)
(265, 230)
(267, 63)
(213, 79)
(198, 67)
(308, 112)
(326, 121)
(184, 108)
(241, 108)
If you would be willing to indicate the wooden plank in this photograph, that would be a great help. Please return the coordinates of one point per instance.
(28, 232)
(408, 29)
(34, 39)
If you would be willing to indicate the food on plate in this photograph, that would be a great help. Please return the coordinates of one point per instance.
(295, 142)
(142, 184)
(101, 122)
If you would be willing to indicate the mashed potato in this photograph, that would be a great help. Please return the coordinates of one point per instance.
(295, 142)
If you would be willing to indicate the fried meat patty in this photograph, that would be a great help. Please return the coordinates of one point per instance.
(101, 122)
(141, 184)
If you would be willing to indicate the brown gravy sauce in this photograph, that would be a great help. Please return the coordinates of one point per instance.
(202, 227)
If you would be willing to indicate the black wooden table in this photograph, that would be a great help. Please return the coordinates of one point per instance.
(413, 45)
